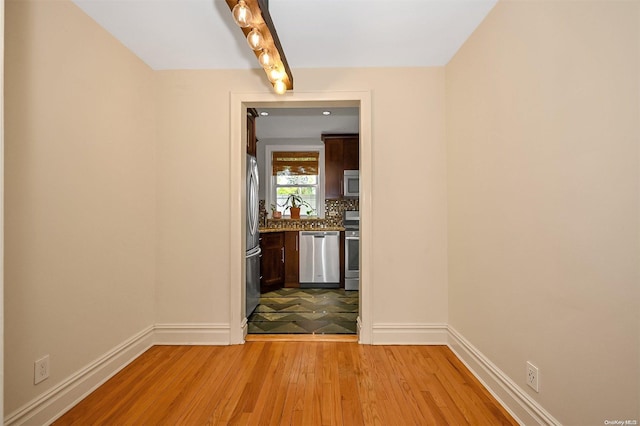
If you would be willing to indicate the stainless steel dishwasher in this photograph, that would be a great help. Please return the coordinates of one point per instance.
(320, 259)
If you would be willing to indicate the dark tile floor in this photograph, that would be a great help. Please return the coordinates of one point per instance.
(305, 311)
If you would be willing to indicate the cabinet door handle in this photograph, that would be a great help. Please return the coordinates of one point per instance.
(282, 249)
(296, 242)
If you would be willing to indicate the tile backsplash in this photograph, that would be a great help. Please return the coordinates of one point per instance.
(334, 210)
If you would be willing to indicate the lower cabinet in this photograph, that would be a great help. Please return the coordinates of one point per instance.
(279, 264)
(342, 270)
(272, 261)
(292, 259)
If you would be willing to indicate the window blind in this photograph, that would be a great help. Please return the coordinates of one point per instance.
(294, 163)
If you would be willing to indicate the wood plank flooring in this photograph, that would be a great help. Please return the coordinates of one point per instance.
(291, 383)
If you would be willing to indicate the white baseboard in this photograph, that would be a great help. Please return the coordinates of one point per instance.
(55, 402)
(409, 334)
(515, 400)
(192, 334)
(245, 328)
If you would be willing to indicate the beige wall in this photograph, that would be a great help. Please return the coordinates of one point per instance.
(80, 194)
(542, 134)
(409, 255)
(2, 212)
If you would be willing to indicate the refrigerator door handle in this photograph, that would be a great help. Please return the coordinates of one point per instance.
(253, 219)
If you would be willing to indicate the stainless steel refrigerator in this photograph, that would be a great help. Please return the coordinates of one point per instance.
(253, 237)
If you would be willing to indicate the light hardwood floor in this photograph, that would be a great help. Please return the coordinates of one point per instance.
(291, 383)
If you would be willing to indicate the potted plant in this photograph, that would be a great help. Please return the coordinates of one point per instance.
(275, 214)
(294, 202)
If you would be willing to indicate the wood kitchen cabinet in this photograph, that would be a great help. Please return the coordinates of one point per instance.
(341, 152)
(342, 260)
(292, 259)
(271, 261)
(351, 153)
(280, 261)
(333, 168)
(252, 141)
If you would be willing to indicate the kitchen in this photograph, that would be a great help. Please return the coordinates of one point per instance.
(307, 275)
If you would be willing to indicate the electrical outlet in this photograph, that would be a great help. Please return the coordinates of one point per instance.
(41, 369)
(533, 376)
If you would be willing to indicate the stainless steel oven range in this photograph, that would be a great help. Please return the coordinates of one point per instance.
(351, 222)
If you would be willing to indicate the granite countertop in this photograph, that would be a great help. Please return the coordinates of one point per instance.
(311, 224)
(301, 228)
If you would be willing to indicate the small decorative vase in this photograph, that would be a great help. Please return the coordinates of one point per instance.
(276, 215)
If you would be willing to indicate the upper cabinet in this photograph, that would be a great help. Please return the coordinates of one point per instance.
(351, 153)
(333, 167)
(341, 152)
(252, 141)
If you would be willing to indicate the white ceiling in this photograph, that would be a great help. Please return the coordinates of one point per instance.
(304, 123)
(201, 34)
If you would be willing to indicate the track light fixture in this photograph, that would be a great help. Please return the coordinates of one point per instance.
(252, 16)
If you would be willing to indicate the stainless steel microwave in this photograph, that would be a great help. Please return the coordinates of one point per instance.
(351, 184)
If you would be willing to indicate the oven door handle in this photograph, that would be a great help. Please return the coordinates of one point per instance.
(352, 238)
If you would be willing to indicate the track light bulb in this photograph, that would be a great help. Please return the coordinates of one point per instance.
(280, 87)
(242, 14)
(274, 74)
(255, 39)
(265, 59)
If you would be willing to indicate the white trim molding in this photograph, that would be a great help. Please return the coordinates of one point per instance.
(192, 334)
(409, 334)
(55, 402)
(238, 102)
(512, 397)
(245, 330)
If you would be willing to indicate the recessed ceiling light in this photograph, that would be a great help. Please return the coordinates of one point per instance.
(326, 112)
(264, 113)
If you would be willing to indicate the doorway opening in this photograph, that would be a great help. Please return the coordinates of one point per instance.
(302, 154)
(322, 219)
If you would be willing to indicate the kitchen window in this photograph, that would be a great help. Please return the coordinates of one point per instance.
(306, 186)
(299, 173)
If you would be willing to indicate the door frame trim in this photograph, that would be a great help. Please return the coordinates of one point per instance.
(238, 102)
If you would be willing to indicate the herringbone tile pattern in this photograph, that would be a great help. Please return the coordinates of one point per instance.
(305, 311)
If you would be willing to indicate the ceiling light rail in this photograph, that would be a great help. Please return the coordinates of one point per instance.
(252, 16)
